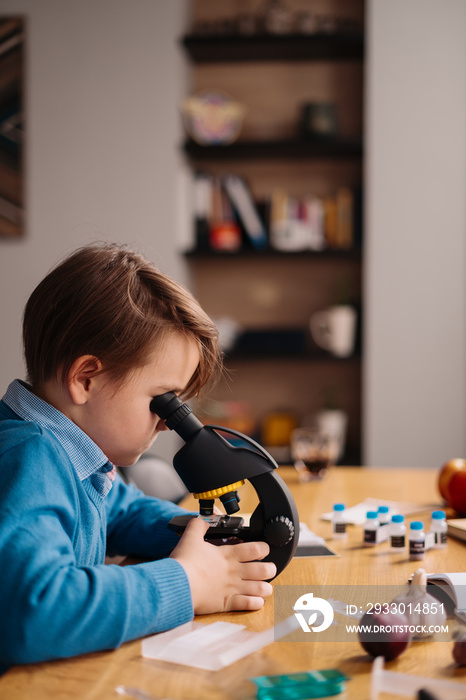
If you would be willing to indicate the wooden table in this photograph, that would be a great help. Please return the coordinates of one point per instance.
(95, 676)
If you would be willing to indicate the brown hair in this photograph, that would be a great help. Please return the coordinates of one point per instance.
(107, 301)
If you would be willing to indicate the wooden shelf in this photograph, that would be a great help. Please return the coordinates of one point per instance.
(305, 355)
(329, 254)
(216, 48)
(281, 149)
(285, 343)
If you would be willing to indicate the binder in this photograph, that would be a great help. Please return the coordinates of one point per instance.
(202, 209)
(345, 218)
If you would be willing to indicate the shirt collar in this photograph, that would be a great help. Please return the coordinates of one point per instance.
(86, 457)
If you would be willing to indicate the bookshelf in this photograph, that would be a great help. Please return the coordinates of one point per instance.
(271, 290)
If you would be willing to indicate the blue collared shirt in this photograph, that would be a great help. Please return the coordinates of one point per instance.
(55, 532)
(86, 457)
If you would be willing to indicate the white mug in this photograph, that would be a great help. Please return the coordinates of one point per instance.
(334, 329)
(334, 422)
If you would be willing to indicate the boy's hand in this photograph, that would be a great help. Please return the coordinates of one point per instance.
(230, 577)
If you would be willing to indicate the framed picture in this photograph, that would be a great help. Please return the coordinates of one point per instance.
(11, 126)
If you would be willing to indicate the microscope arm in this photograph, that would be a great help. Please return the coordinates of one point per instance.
(247, 439)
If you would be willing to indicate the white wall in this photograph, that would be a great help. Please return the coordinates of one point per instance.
(104, 78)
(415, 385)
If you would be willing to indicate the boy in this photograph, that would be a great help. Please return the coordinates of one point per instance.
(103, 334)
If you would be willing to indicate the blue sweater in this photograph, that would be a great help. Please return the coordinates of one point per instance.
(57, 597)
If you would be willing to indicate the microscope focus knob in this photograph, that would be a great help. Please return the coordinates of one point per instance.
(278, 531)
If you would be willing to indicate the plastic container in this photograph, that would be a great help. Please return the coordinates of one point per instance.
(417, 541)
(409, 686)
(397, 533)
(301, 686)
(439, 528)
(370, 528)
(339, 522)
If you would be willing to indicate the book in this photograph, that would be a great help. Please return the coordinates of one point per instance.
(245, 207)
(330, 218)
(279, 219)
(457, 528)
(312, 545)
(345, 218)
(315, 217)
(454, 586)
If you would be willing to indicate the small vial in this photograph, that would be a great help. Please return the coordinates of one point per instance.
(383, 515)
(370, 528)
(417, 541)
(397, 533)
(439, 528)
(339, 522)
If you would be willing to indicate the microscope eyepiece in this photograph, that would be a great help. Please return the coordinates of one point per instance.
(166, 405)
(176, 414)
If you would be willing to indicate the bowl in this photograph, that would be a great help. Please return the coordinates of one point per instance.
(213, 118)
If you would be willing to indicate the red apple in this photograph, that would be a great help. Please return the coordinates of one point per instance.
(457, 492)
(447, 471)
(459, 649)
(384, 634)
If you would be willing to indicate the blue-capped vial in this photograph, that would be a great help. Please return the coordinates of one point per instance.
(397, 533)
(370, 528)
(339, 522)
(417, 541)
(439, 528)
(383, 515)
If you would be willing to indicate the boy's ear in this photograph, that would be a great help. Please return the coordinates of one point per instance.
(81, 377)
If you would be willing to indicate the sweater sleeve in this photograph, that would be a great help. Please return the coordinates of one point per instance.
(138, 524)
(51, 607)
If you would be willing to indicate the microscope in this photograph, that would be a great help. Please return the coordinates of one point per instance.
(211, 467)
